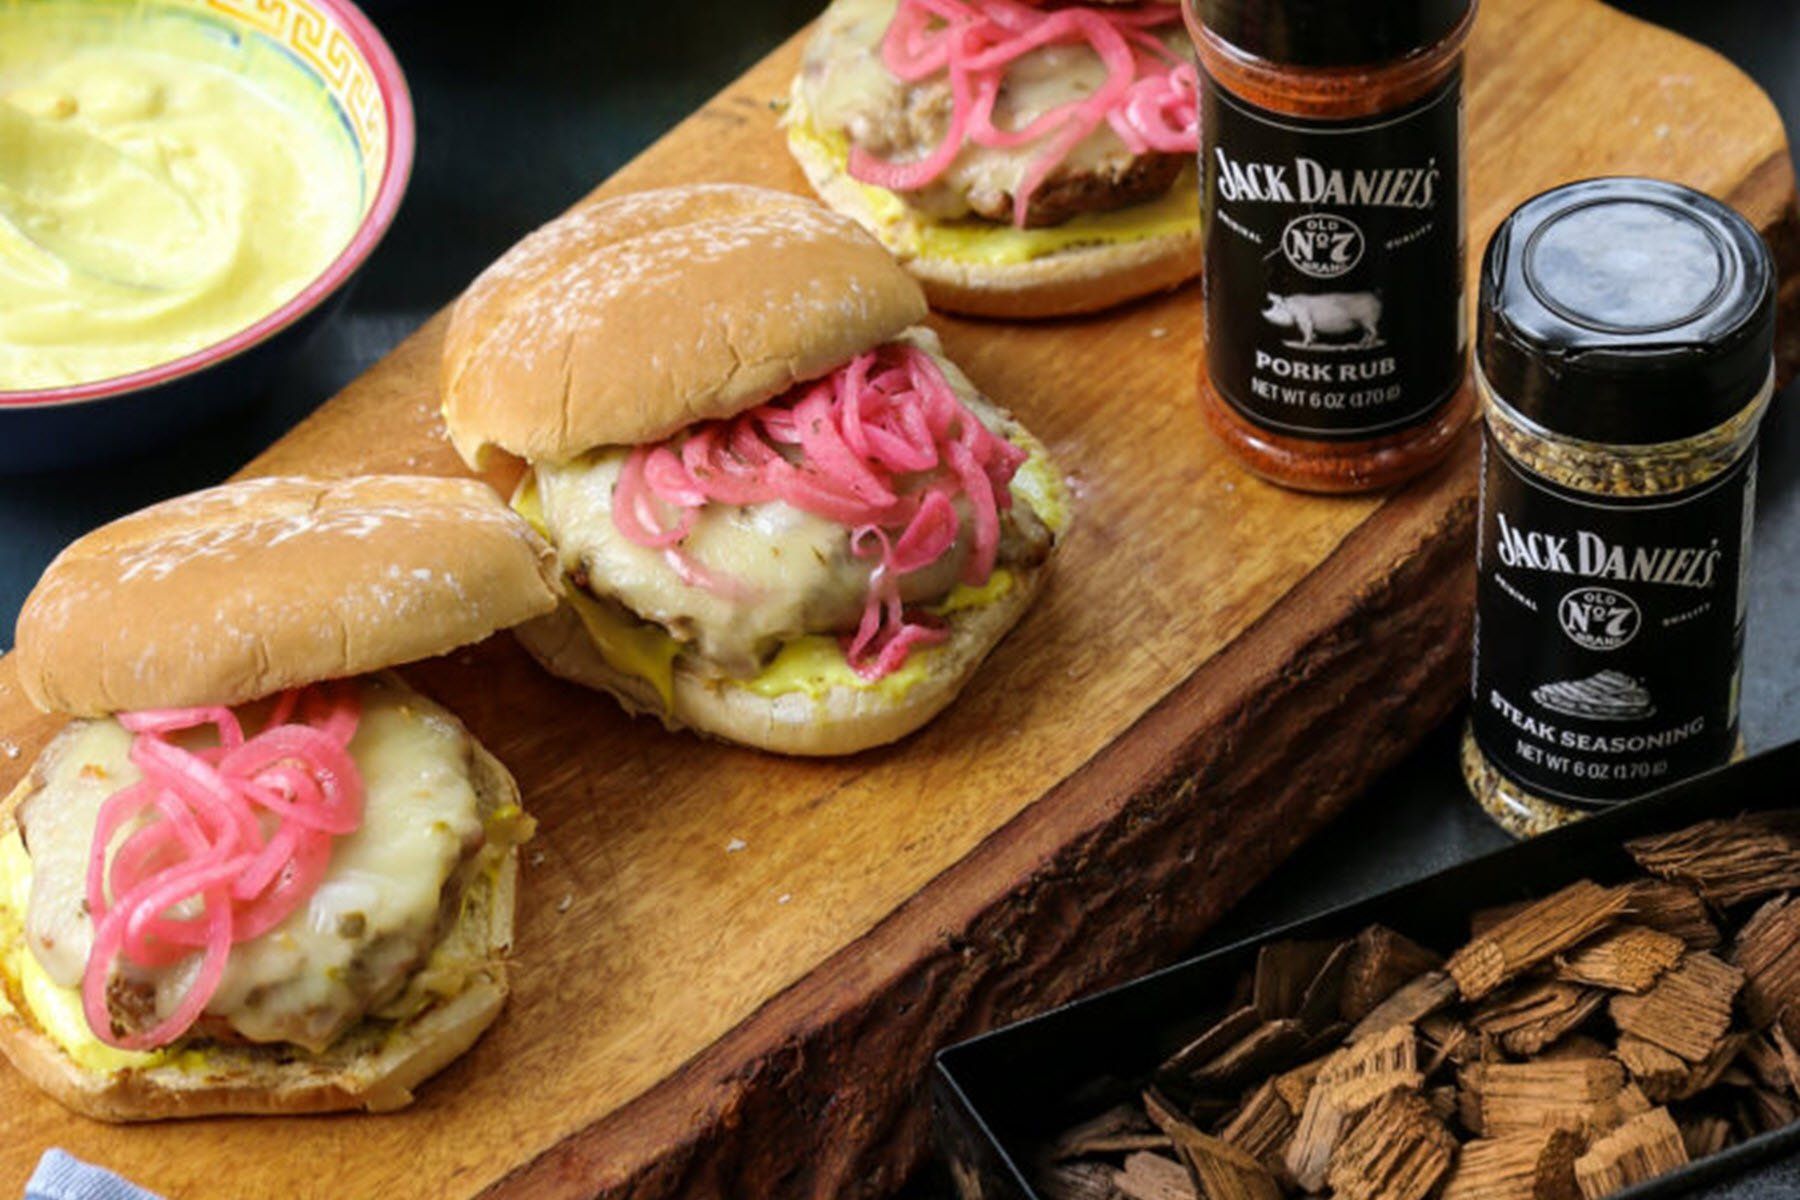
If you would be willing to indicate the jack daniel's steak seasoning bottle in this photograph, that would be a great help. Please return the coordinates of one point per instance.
(1332, 213)
(1626, 353)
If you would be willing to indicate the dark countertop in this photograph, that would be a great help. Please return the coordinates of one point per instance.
(518, 119)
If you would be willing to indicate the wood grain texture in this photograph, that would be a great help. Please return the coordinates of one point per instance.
(1217, 667)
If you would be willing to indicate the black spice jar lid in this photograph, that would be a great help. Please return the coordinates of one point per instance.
(1626, 311)
(1332, 33)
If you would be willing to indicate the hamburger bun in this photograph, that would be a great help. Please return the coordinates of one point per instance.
(1068, 282)
(842, 720)
(251, 588)
(374, 1067)
(628, 319)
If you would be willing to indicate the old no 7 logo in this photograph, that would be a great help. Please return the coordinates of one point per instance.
(1597, 618)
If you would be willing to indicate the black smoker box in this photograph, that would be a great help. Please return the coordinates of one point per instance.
(999, 1098)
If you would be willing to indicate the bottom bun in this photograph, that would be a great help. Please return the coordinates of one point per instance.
(1069, 282)
(1065, 284)
(374, 1067)
(841, 720)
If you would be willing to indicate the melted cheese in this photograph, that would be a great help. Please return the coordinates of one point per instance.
(1041, 486)
(629, 646)
(54, 1009)
(797, 573)
(812, 664)
(912, 233)
(372, 922)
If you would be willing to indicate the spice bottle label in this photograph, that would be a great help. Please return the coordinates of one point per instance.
(1334, 264)
(1609, 631)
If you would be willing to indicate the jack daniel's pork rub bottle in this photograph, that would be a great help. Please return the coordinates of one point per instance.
(1626, 353)
(1332, 206)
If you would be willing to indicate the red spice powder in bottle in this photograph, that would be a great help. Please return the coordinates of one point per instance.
(1332, 201)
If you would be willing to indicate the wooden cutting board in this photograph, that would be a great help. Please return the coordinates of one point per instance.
(732, 969)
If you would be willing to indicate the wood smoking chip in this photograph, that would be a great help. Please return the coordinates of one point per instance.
(1398, 1149)
(1076, 1181)
(1790, 1060)
(1318, 1009)
(1762, 1056)
(1149, 1176)
(1414, 1001)
(1393, 1052)
(1486, 918)
(1380, 962)
(1526, 1019)
(1526, 1166)
(1644, 1147)
(1532, 935)
(1116, 1131)
(1285, 971)
(1687, 1012)
(1705, 1135)
(1270, 1047)
(1225, 1172)
(1728, 861)
(1665, 1078)
(1714, 1070)
(1743, 1115)
(1263, 1126)
(1448, 1040)
(1501, 1099)
(1296, 1085)
(1226, 1032)
(1325, 1042)
(1768, 952)
(1325, 1120)
(1444, 1102)
(1772, 1110)
(1345, 1084)
(1660, 1073)
(1630, 958)
(1674, 908)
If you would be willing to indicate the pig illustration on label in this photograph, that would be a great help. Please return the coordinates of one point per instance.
(1332, 314)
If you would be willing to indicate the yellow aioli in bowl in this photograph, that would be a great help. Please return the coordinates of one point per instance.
(162, 186)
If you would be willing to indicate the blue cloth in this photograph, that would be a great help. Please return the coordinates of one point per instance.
(61, 1176)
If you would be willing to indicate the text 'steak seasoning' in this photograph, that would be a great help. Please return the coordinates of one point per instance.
(1333, 218)
(1626, 358)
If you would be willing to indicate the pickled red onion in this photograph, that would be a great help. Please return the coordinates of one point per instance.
(881, 446)
(1150, 97)
(245, 828)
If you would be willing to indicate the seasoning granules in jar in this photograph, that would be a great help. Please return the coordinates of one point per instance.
(1333, 214)
(1626, 359)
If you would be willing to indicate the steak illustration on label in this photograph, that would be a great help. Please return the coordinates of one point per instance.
(1608, 696)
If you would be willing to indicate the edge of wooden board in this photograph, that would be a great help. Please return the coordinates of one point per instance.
(1126, 842)
(1129, 831)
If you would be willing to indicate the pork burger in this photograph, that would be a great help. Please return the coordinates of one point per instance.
(259, 873)
(785, 517)
(1022, 159)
